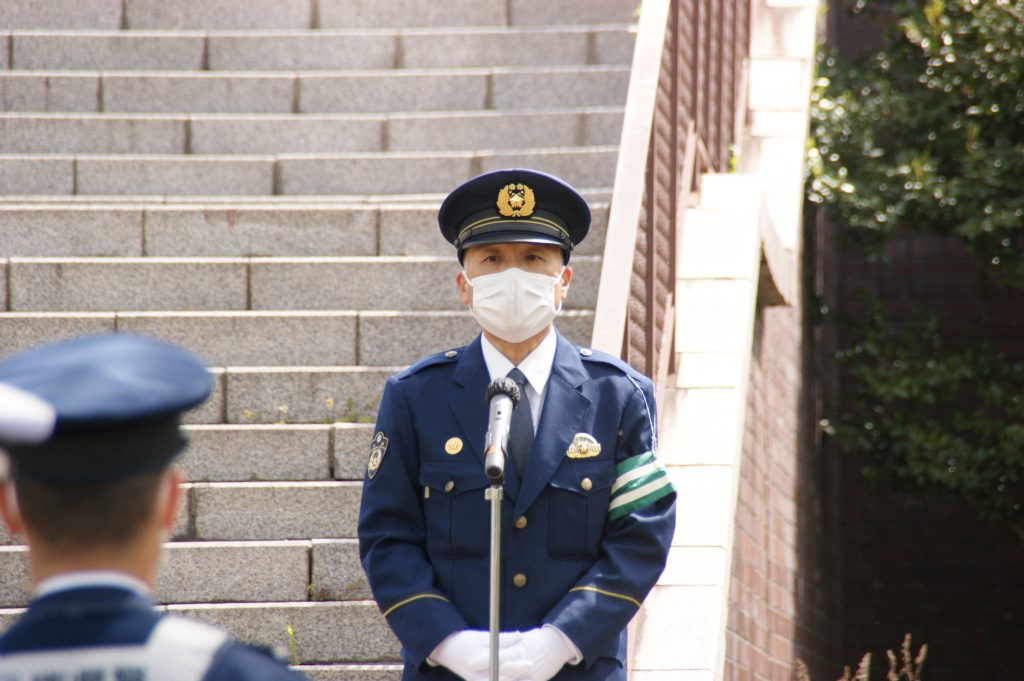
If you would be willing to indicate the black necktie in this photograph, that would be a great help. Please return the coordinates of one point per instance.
(520, 431)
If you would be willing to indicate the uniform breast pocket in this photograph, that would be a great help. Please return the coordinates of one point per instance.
(455, 509)
(577, 507)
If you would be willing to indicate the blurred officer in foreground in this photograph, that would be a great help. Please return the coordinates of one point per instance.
(91, 427)
(588, 509)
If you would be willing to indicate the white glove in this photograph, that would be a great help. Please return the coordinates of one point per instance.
(468, 653)
(544, 650)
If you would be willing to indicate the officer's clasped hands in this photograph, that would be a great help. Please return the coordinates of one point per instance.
(538, 655)
(467, 653)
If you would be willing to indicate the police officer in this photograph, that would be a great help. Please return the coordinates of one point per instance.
(91, 426)
(588, 510)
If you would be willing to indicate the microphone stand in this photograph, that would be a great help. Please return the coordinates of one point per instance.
(502, 394)
(495, 493)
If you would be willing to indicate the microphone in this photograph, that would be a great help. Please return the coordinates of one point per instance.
(503, 396)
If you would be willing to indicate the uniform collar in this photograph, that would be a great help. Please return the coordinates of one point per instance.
(536, 366)
(89, 578)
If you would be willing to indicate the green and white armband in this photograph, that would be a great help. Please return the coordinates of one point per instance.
(640, 481)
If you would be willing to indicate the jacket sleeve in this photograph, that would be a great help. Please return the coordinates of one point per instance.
(637, 537)
(392, 535)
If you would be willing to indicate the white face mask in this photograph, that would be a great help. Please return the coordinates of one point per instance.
(514, 304)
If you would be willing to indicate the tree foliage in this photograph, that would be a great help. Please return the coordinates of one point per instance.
(927, 136)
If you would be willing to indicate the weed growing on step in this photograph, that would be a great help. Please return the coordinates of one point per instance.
(904, 667)
(349, 413)
(293, 655)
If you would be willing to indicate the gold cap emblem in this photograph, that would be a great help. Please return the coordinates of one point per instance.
(453, 445)
(516, 201)
(583, 447)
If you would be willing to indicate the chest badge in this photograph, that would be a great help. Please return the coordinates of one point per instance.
(453, 446)
(583, 447)
(378, 446)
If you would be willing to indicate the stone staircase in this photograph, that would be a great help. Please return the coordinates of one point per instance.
(258, 180)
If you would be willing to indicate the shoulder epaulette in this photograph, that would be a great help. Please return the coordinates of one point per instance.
(591, 355)
(445, 357)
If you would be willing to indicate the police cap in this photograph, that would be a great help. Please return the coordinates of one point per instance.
(97, 408)
(514, 205)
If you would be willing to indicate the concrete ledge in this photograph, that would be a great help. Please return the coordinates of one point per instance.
(219, 572)
(23, 331)
(37, 175)
(304, 394)
(406, 13)
(42, 231)
(103, 14)
(113, 50)
(393, 173)
(254, 338)
(64, 284)
(337, 572)
(232, 92)
(236, 14)
(351, 672)
(327, 283)
(351, 448)
(161, 175)
(254, 230)
(544, 12)
(212, 410)
(323, 632)
(219, 453)
(567, 86)
(90, 133)
(57, 91)
(302, 50)
(384, 91)
(306, 134)
(15, 582)
(275, 510)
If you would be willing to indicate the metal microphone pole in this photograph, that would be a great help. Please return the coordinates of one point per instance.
(502, 394)
(495, 494)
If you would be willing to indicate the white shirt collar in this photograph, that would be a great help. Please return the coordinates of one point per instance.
(536, 366)
(89, 578)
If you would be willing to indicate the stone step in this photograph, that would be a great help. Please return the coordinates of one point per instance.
(276, 452)
(295, 14)
(321, 632)
(592, 194)
(322, 49)
(406, 13)
(256, 511)
(351, 672)
(235, 284)
(230, 572)
(288, 338)
(502, 88)
(305, 133)
(294, 174)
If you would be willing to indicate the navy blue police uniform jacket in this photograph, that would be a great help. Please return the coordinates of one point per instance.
(111, 633)
(568, 557)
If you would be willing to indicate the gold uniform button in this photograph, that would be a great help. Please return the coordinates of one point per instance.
(449, 486)
(519, 580)
(586, 484)
(520, 522)
(450, 354)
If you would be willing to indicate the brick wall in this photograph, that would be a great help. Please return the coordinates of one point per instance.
(783, 596)
(924, 565)
(912, 564)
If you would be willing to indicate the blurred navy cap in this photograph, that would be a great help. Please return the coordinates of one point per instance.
(514, 205)
(97, 408)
